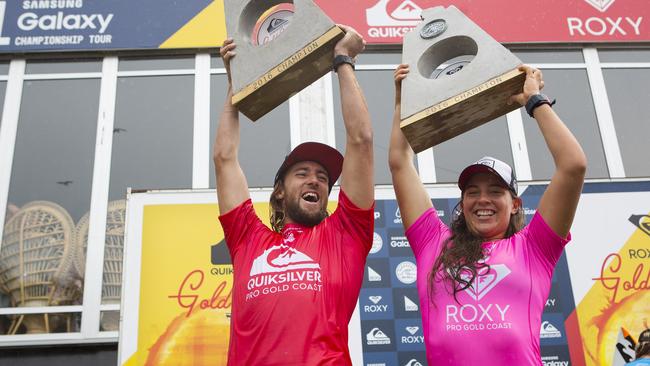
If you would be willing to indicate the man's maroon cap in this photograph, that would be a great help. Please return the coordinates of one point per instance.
(325, 155)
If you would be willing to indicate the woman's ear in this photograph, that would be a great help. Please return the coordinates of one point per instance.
(517, 204)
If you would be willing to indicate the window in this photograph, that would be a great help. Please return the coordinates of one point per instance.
(49, 192)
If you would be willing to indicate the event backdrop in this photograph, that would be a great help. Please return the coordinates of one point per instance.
(178, 278)
(69, 25)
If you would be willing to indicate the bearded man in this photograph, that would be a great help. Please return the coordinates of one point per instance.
(296, 286)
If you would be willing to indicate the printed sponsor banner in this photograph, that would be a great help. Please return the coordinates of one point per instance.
(178, 312)
(63, 25)
(66, 25)
(386, 21)
(609, 261)
(176, 263)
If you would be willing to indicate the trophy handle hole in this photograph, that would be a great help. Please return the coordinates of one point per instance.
(262, 21)
(447, 57)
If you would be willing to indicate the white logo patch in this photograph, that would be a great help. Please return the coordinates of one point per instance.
(412, 330)
(376, 337)
(485, 280)
(374, 299)
(601, 5)
(281, 258)
(377, 243)
(409, 305)
(407, 14)
(373, 276)
(406, 272)
(549, 330)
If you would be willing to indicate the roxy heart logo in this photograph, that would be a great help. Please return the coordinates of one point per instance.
(282, 258)
(412, 330)
(486, 279)
(601, 5)
(375, 299)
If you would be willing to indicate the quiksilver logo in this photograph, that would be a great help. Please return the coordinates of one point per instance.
(282, 268)
(377, 337)
(548, 330)
(413, 362)
(281, 258)
(406, 14)
(276, 24)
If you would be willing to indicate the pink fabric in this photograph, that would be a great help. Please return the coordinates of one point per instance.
(498, 320)
(294, 292)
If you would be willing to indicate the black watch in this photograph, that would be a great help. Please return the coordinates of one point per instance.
(537, 100)
(342, 59)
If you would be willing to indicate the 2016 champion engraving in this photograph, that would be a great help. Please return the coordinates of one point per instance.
(433, 29)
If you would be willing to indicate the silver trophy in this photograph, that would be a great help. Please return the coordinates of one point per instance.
(460, 78)
(282, 48)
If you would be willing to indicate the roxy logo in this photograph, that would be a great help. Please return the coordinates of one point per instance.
(549, 330)
(412, 338)
(604, 26)
(601, 5)
(643, 223)
(377, 337)
(486, 279)
(4, 41)
(375, 307)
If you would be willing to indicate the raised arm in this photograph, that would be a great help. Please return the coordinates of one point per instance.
(357, 178)
(232, 188)
(412, 198)
(560, 200)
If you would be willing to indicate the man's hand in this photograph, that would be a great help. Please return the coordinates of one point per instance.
(351, 44)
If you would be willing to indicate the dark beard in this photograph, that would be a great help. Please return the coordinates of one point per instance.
(300, 216)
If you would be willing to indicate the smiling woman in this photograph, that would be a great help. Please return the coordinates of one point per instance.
(486, 274)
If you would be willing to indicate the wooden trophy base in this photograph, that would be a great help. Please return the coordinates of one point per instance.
(463, 112)
(289, 77)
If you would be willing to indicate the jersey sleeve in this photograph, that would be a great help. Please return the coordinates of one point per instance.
(545, 245)
(357, 222)
(237, 223)
(427, 233)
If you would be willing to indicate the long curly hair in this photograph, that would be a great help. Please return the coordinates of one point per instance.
(462, 253)
(276, 207)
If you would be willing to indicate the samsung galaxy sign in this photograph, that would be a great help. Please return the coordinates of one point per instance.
(62, 25)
